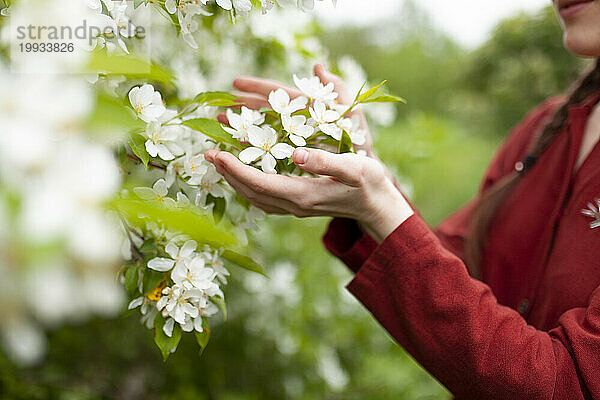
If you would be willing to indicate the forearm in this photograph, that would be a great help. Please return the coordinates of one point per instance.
(453, 325)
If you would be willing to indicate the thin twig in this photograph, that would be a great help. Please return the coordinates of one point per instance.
(150, 163)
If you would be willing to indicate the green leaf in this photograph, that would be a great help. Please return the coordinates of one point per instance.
(220, 302)
(212, 129)
(220, 205)
(149, 246)
(137, 143)
(183, 219)
(203, 337)
(166, 344)
(137, 3)
(217, 99)
(370, 92)
(269, 111)
(150, 280)
(242, 261)
(130, 66)
(345, 145)
(387, 98)
(131, 280)
(356, 99)
(110, 113)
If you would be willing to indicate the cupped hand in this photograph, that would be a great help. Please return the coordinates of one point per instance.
(254, 93)
(347, 185)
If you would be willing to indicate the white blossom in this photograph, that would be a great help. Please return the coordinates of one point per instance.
(146, 102)
(178, 256)
(239, 123)
(265, 146)
(157, 192)
(280, 101)
(211, 183)
(176, 303)
(297, 128)
(314, 89)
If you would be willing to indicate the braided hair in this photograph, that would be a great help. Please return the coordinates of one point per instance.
(485, 210)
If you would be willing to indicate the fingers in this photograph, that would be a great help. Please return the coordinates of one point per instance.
(278, 186)
(348, 168)
(209, 155)
(325, 76)
(251, 100)
(259, 194)
(270, 207)
(222, 118)
(262, 86)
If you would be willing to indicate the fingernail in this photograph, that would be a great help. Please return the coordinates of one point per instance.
(210, 156)
(300, 156)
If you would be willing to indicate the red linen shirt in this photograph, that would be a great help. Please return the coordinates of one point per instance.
(531, 328)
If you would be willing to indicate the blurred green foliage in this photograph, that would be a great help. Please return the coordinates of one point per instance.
(298, 335)
(487, 89)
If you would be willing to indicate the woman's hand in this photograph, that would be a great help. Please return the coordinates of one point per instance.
(348, 185)
(254, 92)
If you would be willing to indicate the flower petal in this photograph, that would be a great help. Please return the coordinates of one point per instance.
(164, 153)
(297, 104)
(197, 264)
(168, 327)
(161, 264)
(190, 310)
(179, 273)
(172, 249)
(279, 100)
(257, 136)
(134, 96)
(135, 303)
(145, 94)
(162, 302)
(160, 188)
(297, 140)
(144, 193)
(250, 154)
(305, 131)
(235, 120)
(226, 4)
(282, 150)
(268, 164)
(198, 324)
(188, 248)
(151, 148)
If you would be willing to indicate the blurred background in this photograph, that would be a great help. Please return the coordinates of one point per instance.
(470, 71)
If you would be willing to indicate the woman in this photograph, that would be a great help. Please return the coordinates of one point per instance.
(503, 301)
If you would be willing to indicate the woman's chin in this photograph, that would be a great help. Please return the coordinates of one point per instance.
(583, 44)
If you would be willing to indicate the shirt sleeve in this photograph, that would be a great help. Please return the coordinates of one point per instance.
(453, 325)
(345, 240)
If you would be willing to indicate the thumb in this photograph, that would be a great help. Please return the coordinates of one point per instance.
(346, 167)
(325, 76)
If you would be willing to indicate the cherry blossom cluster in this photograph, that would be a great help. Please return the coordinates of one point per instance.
(308, 120)
(186, 277)
(196, 278)
(186, 10)
(61, 175)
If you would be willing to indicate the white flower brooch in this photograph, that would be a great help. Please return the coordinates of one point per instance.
(593, 211)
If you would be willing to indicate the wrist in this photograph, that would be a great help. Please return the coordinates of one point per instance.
(388, 210)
